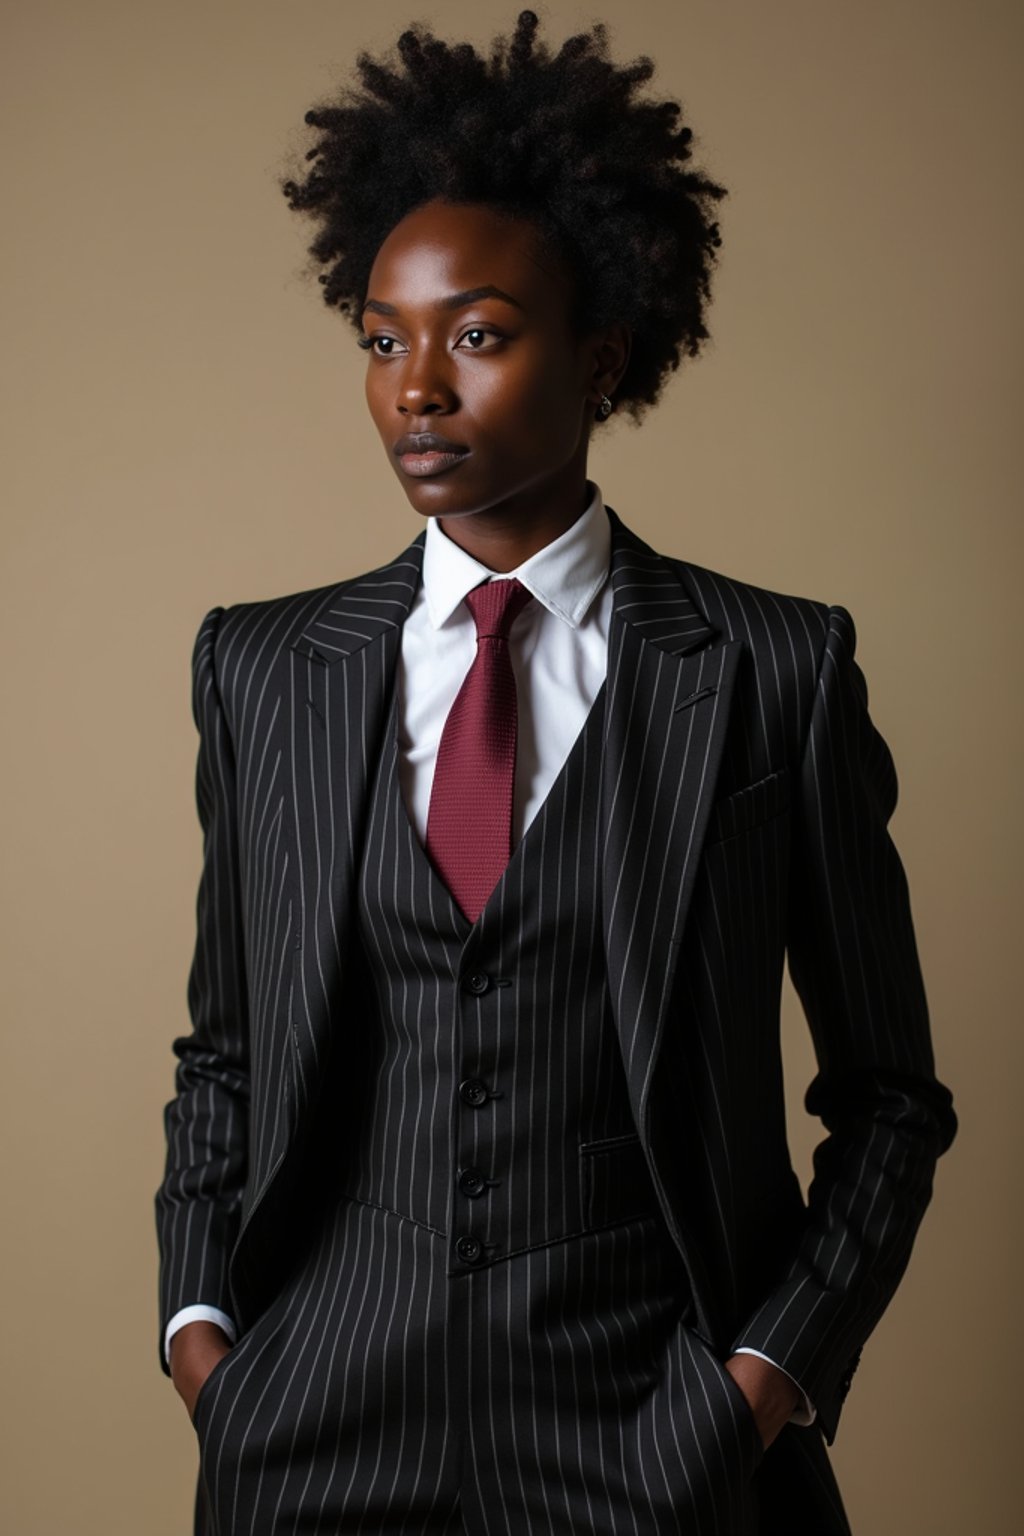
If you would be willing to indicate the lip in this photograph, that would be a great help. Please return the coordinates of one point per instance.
(425, 453)
(427, 442)
(421, 464)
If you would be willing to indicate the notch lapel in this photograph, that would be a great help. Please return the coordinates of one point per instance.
(669, 691)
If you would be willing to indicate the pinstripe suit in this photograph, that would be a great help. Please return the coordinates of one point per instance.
(742, 810)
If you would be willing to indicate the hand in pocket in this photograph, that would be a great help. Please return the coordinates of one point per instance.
(195, 1350)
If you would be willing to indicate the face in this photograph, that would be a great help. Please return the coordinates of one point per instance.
(480, 391)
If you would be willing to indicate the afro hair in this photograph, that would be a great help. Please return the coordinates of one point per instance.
(562, 139)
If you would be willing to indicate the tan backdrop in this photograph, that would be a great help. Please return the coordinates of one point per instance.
(184, 426)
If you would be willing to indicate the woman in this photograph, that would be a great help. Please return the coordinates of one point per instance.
(478, 1212)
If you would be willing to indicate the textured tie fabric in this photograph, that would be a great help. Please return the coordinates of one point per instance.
(469, 822)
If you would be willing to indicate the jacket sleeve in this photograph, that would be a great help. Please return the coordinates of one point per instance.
(853, 960)
(198, 1203)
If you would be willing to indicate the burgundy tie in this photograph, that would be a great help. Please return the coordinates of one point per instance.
(469, 823)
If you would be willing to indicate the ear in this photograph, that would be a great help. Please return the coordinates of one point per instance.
(609, 357)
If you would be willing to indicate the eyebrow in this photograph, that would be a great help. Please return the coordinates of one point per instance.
(450, 301)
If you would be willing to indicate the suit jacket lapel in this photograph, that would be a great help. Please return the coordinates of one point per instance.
(343, 666)
(669, 690)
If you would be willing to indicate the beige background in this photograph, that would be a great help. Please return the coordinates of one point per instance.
(183, 425)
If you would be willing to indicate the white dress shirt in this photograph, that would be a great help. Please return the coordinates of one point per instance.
(558, 647)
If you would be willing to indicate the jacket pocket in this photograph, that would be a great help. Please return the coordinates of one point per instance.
(749, 807)
(616, 1181)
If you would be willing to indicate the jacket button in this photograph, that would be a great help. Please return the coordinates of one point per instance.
(472, 1182)
(469, 1249)
(478, 983)
(473, 1092)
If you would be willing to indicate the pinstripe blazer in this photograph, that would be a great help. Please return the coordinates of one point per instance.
(746, 802)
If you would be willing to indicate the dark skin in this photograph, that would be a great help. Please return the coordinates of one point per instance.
(503, 379)
(500, 374)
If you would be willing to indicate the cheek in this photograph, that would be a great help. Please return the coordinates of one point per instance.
(537, 402)
(380, 399)
(374, 397)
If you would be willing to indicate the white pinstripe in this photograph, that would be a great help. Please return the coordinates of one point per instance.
(766, 804)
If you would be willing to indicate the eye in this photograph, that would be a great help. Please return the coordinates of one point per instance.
(380, 346)
(478, 337)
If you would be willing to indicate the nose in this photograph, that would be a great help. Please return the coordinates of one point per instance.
(424, 388)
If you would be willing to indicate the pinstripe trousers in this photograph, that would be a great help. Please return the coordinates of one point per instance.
(488, 1329)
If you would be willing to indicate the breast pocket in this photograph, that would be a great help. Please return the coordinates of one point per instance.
(749, 807)
(616, 1182)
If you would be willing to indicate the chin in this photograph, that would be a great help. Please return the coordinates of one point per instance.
(436, 500)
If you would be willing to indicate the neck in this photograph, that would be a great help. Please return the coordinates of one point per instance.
(502, 537)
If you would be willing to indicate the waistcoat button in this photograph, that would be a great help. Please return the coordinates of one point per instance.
(472, 1091)
(469, 1249)
(472, 1182)
(478, 983)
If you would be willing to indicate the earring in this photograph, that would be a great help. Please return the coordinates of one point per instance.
(604, 410)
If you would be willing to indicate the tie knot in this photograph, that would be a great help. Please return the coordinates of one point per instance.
(494, 606)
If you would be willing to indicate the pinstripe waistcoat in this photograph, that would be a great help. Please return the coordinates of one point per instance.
(486, 1242)
(742, 802)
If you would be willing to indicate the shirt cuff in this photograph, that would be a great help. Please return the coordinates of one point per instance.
(197, 1314)
(804, 1413)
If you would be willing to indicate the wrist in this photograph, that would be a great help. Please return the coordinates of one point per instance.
(194, 1351)
(200, 1334)
(191, 1348)
(771, 1395)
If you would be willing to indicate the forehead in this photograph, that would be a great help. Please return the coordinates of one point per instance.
(443, 248)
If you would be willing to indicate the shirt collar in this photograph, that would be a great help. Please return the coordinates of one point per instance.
(566, 575)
